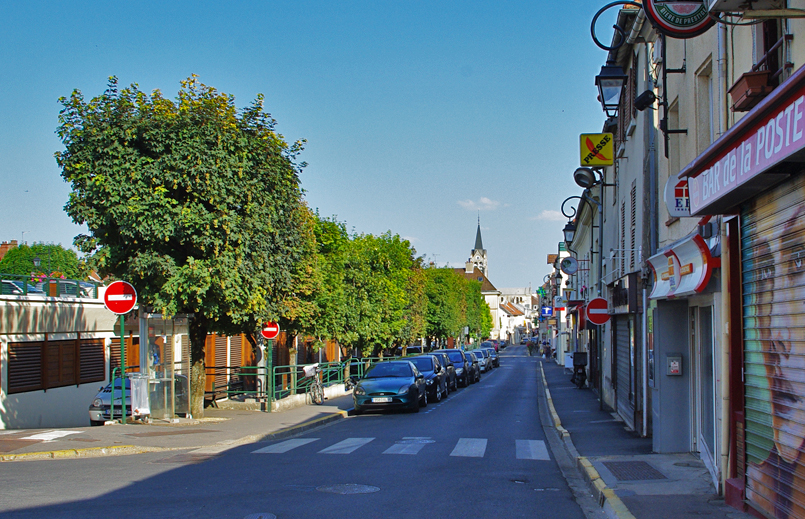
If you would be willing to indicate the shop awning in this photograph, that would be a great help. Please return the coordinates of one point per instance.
(683, 269)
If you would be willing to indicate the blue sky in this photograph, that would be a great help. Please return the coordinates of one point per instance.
(419, 116)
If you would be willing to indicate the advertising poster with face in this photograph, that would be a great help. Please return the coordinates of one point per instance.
(773, 251)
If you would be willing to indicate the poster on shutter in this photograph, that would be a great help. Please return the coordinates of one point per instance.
(773, 251)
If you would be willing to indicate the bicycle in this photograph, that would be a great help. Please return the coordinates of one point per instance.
(316, 388)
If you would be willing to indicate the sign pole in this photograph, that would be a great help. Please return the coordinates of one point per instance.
(122, 375)
(120, 298)
(270, 377)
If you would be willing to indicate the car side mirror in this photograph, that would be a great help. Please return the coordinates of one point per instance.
(420, 376)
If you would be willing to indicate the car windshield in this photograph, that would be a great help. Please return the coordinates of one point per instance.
(471, 357)
(423, 364)
(486, 344)
(389, 369)
(455, 356)
(482, 353)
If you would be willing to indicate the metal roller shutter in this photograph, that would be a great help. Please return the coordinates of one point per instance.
(623, 336)
(773, 279)
(220, 366)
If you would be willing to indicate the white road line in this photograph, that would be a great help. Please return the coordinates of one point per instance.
(470, 448)
(50, 436)
(282, 447)
(531, 450)
(347, 446)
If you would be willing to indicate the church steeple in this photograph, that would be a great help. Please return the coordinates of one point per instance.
(479, 245)
(478, 254)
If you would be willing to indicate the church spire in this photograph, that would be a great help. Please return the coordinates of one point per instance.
(479, 244)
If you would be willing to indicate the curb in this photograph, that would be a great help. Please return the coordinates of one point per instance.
(125, 450)
(607, 499)
(91, 452)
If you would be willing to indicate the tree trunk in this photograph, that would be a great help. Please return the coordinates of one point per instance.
(198, 378)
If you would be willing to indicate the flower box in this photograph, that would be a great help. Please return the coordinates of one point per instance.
(749, 90)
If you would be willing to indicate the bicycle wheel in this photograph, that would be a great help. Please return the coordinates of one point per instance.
(317, 393)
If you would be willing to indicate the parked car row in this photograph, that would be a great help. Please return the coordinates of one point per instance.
(412, 382)
(54, 287)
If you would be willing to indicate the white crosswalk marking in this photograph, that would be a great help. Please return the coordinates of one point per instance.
(404, 448)
(347, 446)
(282, 447)
(470, 448)
(531, 450)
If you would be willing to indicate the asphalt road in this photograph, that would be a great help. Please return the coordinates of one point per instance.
(481, 452)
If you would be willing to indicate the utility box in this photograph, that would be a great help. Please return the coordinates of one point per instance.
(673, 364)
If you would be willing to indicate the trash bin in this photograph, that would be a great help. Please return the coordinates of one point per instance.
(140, 405)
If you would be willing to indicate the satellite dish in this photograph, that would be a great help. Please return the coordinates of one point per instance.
(569, 266)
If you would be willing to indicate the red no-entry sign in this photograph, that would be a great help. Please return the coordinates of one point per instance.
(120, 297)
(270, 330)
(598, 311)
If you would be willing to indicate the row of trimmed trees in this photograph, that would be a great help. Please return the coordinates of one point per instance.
(199, 206)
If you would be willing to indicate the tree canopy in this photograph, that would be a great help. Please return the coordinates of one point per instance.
(194, 202)
(53, 260)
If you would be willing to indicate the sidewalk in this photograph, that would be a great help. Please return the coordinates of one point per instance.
(219, 430)
(626, 478)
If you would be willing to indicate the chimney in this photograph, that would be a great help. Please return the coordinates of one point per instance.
(469, 267)
(6, 246)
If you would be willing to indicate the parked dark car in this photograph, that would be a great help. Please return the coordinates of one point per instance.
(475, 368)
(451, 379)
(490, 344)
(460, 364)
(493, 357)
(435, 376)
(395, 384)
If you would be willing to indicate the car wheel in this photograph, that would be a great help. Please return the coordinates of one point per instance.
(438, 394)
(357, 411)
(96, 423)
(424, 400)
(446, 389)
(455, 384)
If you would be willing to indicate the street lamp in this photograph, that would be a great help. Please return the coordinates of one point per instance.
(37, 261)
(610, 83)
(569, 232)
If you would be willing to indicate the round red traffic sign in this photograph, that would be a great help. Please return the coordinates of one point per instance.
(270, 330)
(598, 311)
(120, 297)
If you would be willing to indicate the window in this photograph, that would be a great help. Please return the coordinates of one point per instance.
(705, 120)
(633, 227)
(34, 366)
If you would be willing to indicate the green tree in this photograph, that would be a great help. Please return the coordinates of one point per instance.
(479, 317)
(446, 312)
(53, 259)
(194, 202)
(332, 247)
(377, 270)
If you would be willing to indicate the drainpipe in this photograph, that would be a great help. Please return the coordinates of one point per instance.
(723, 466)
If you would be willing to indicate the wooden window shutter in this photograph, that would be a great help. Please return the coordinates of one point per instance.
(24, 367)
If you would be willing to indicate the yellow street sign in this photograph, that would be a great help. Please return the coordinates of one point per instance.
(597, 149)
